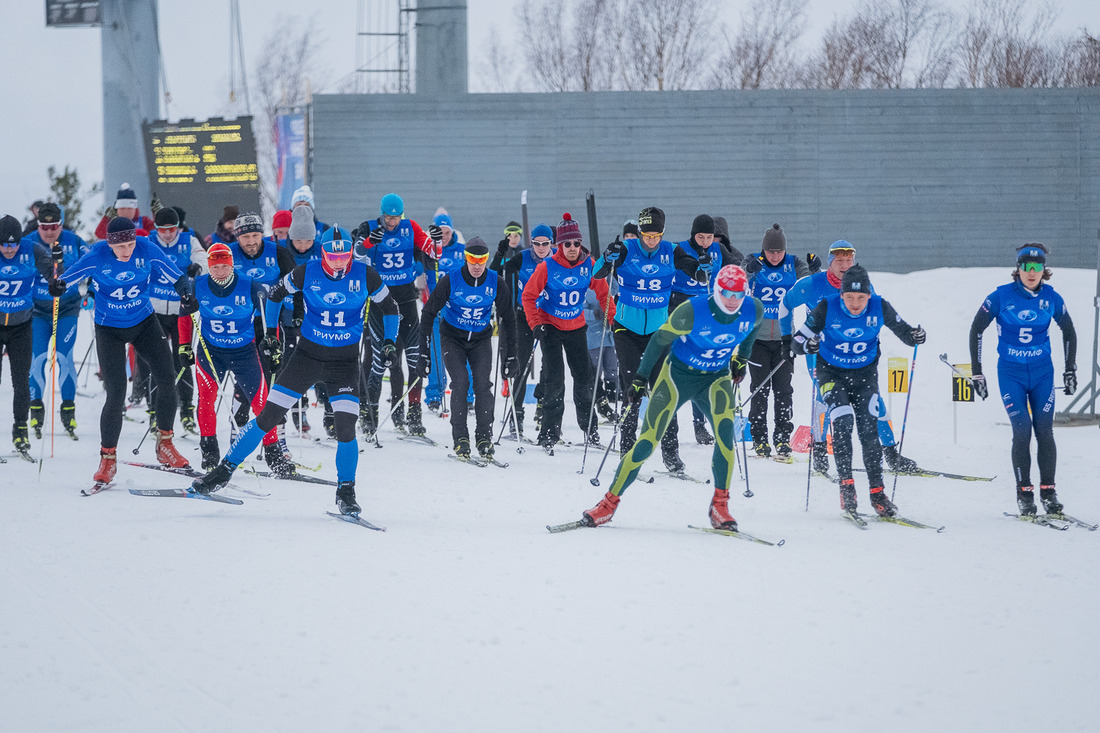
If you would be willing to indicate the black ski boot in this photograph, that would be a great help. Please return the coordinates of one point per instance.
(416, 421)
(277, 461)
(462, 448)
(187, 420)
(702, 435)
(301, 422)
(881, 502)
(211, 453)
(20, 439)
(848, 494)
(38, 417)
(368, 419)
(670, 454)
(398, 414)
(897, 462)
(1025, 500)
(345, 499)
(762, 448)
(1050, 500)
(782, 449)
(605, 410)
(68, 417)
(215, 479)
(820, 457)
(329, 421)
(593, 437)
(485, 448)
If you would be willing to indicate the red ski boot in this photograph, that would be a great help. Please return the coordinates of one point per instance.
(167, 454)
(720, 517)
(602, 512)
(107, 466)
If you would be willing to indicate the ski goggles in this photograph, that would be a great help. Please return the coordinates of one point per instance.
(49, 227)
(337, 260)
(730, 294)
(1032, 266)
(513, 230)
(473, 259)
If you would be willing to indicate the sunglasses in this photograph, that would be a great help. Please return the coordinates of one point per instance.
(49, 227)
(1032, 266)
(541, 242)
(570, 244)
(738, 294)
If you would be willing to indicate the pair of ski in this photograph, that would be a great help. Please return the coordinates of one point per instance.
(1054, 521)
(479, 461)
(860, 520)
(581, 523)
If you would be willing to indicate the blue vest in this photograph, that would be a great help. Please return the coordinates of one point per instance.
(226, 320)
(526, 270)
(848, 341)
(645, 279)
(452, 259)
(264, 269)
(334, 308)
(681, 283)
(770, 284)
(470, 308)
(180, 255)
(563, 296)
(17, 277)
(395, 256)
(710, 345)
(300, 258)
(1023, 321)
(73, 247)
(122, 288)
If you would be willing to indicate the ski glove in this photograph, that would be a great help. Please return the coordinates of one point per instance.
(187, 355)
(809, 346)
(376, 236)
(980, 387)
(1069, 379)
(298, 314)
(502, 246)
(753, 264)
(511, 368)
(615, 250)
(389, 352)
(57, 254)
(638, 389)
(539, 332)
(813, 262)
(424, 366)
(436, 233)
(155, 205)
(918, 335)
(57, 288)
(272, 349)
(737, 370)
(188, 304)
(194, 270)
(110, 213)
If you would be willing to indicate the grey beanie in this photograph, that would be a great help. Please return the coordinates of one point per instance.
(301, 223)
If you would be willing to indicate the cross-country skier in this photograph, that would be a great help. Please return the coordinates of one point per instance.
(710, 337)
(126, 206)
(466, 297)
(50, 235)
(336, 291)
(451, 260)
(1023, 310)
(303, 246)
(17, 275)
(227, 303)
(122, 268)
(772, 272)
(847, 375)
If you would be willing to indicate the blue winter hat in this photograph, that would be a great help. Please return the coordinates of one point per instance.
(392, 205)
(335, 241)
(443, 220)
(840, 245)
(120, 230)
(542, 231)
(1032, 252)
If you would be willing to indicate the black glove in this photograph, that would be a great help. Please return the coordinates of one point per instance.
(539, 332)
(511, 367)
(111, 212)
(787, 347)
(737, 370)
(57, 288)
(638, 389)
(298, 314)
(189, 304)
(389, 352)
(1069, 379)
(753, 264)
(424, 366)
(435, 232)
(360, 232)
(376, 235)
(155, 204)
(812, 346)
(813, 262)
(194, 269)
(502, 246)
(615, 250)
(57, 254)
(918, 335)
(980, 387)
(272, 349)
(187, 355)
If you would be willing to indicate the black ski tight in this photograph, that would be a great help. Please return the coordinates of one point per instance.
(150, 343)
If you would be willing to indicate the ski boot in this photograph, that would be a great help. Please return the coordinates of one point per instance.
(38, 417)
(215, 479)
(329, 422)
(782, 449)
(68, 417)
(416, 422)
(602, 512)
(398, 415)
(848, 494)
(538, 416)
(485, 448)
(881, 502)
(897, 462)
(187, 420)
(593, 437)
(820, 457)
(211, 453)
(301, 422)
(670, 454)
(433, 405)
(1025, 500)
(345, 499)
(720, 517)
(762, 448)
(108, 464)
(462, 448)
(1050, 500)
(20, 439)
(277, 461)
(605, 410)
(368, 419)
(167, 454)
(702, 435)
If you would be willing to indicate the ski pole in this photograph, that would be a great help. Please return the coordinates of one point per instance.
(512, 399)
(595, 480)
(738, 439)
(905, 416)
(599, 368)
(393, 409)
(763, 384)
(813, 426)
(943, 358)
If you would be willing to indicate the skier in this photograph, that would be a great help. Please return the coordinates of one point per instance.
(772, 272)
(847, 375)
(709, 336)
(395, 245)
(227, 304)
(303, 195)
(17, 275)
(303, 247)
(451, 259)
(280, 226)
(466, 297)
(810, 291)
(336, 290)
(517, 270)
(1024, 309)
(51, 235)
(126, 206)
(223, 230)
(121, 269)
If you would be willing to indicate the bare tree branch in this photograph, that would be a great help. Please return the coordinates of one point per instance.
(764, 54)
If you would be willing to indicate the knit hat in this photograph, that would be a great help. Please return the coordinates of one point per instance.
(392, 205)
(120, 230)
(721, 229)
(477, 249)
(703, 224)
(10, 231)
(543, 231)
(181, 214)
(229, 214)
(443, 220)
(775, 240)
(281, 220)
(49, 213)
(513, 227)
(302, 195)
(568, 230)
(301, 223)
(219, 254)
(167, 217)
(126, 198)
(1033, 252)
(856, 280)
(651, 221)
(631, 227)
(247, 222)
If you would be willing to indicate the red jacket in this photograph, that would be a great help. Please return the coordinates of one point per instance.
(534, 287)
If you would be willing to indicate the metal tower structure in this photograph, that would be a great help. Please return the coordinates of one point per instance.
(382, 47)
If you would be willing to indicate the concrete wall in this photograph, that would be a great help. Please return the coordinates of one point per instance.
(914, 178)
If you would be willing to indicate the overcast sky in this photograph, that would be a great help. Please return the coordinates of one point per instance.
(50, 78)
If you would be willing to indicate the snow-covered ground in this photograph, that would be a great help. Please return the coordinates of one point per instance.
(123, 613)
